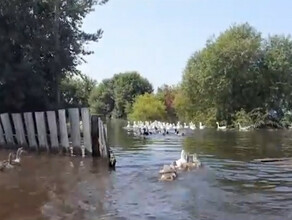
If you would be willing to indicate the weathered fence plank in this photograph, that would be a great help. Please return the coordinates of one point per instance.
(41, 129)
(19, 129)
(75, 126)
(51, 116)
(29, 124)
(7, 128)
(86, 129)
(63, 129)
(94, 136)
(2, 138)
(102, 143)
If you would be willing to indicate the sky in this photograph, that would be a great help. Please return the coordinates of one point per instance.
(157, 37)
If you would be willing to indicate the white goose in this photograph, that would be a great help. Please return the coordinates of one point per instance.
(192, 126)
(16, 161)
(201, 126)
(182, 160)
(220, 127)
(185, 126)
(243, 128)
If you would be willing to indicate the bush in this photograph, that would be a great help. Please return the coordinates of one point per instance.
(147, 108)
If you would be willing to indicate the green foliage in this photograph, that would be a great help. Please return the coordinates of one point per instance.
(167, 94)
(76, 91)
(235, 72)
(148, 107)
(243, 118)
(101, 99)
(127, 86)
(42, 42)
(116, 95)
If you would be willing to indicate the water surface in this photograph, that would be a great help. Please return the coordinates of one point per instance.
(228, 187)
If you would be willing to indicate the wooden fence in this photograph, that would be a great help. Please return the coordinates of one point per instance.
(54, 131)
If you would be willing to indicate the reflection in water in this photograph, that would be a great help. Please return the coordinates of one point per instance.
(228, 187)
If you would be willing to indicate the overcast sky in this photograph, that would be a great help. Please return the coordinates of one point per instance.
(156, 37)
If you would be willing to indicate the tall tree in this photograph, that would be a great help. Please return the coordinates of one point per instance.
(101, 99)
(75, 91)
(43, 43)
(167, 94)
(127, 86)
(238, 71)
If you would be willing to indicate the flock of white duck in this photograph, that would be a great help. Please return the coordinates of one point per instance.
(13, 159)
(186, 162)
(148, 128)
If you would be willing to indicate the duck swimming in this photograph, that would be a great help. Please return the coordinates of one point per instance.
(112, 159)
(6, 164)
(168, 173)
(167, 169)
(182, 160)
(168, 177)
(19, 151)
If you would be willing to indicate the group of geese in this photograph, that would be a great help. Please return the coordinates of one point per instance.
(240, 128)
(156, 127)
(148, 127)
(11, 162)
(186, 162)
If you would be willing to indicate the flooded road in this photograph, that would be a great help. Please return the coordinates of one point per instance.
(228, 187)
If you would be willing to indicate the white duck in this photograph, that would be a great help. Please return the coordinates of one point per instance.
(243, 128)
(6, 164)
(128, 125)
(201, 126)
(182, 160)
(17, 157)
(220, 127)
(185, 126)
(192, 126)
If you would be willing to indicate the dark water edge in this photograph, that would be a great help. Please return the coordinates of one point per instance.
(229, 186)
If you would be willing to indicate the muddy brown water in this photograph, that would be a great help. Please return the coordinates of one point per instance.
(228, 187)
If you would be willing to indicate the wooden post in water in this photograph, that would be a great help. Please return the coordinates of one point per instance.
(94, 136)
(19, 129)
(7, 128)
(63, 129)
(41, 129)
(86, 129)
(2, 138)
(102, 142)
(75, 127)
(51, 115)
(30, 128)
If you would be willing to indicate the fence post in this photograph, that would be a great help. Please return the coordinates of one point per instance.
(94, 136)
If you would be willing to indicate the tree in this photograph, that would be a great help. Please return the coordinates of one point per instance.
(127, 86)
(167, 94)
(42, 43)
(116, 95)
(101, 99)
(76, 91)
(148, 107)
(237, 71)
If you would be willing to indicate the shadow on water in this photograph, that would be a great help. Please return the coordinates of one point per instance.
(228, 187)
